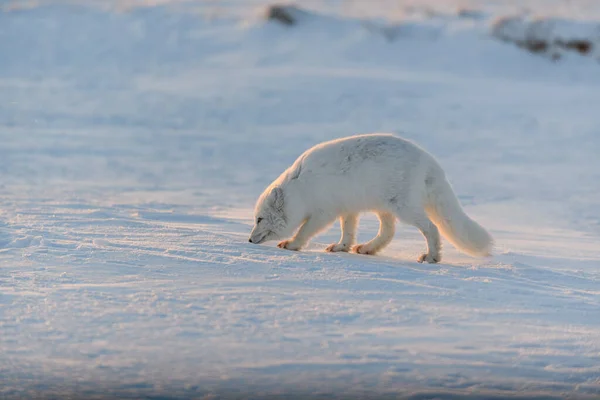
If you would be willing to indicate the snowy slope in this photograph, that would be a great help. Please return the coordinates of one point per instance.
(135, 141)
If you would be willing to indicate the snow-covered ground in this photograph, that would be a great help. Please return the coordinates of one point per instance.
(136, 138)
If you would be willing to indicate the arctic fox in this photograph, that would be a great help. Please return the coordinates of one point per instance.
(383, 173)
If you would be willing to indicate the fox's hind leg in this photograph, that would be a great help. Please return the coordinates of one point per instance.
(348, 224)
(422, 222)
(387, 224)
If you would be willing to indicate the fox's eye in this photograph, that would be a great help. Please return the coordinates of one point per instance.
(258, 220)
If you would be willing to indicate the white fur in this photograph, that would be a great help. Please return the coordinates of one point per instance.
(377, 172)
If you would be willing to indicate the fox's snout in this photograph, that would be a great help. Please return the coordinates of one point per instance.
(257, 237)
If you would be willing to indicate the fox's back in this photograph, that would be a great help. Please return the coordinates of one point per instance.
(361, 171)
(354, 153)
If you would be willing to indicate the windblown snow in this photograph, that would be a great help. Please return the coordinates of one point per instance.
(137, 137)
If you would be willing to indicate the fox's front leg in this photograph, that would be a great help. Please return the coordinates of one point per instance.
(313, 225)
(348, 224)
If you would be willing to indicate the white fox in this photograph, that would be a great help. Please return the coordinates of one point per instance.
(375, 172)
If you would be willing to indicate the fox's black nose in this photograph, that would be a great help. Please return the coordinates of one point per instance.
(250, 240)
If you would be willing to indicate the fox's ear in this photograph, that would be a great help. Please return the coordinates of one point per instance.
(276, 198)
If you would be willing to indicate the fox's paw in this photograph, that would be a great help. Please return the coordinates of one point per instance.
(363, 249)
(429, 258)
(288, 244)
(337, 247)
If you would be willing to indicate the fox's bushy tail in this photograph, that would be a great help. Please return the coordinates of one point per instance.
(446, 213)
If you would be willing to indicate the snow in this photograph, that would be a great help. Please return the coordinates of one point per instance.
(551, 35)
(136, 138)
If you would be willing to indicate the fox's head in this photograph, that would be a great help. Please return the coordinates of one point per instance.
(270, 222)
